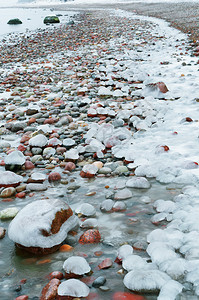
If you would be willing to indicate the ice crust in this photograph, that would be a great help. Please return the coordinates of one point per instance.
(16, 158)
(25, 228)
(73, 288)
(77, 265)
(8, 177)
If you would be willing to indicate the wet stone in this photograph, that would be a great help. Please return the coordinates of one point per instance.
(99, 281)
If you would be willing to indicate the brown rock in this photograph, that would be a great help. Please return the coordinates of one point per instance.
(105, 264)
(49, 292)
(56, 274)
(2, 232)
(29, 165)
(23, 297)
(54, 176)
(8, 192)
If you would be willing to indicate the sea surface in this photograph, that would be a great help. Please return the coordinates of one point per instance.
(32, 19)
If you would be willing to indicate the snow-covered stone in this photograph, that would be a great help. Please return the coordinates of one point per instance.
(76, 265)
(39, 140)
(138, 182)
(73, 288)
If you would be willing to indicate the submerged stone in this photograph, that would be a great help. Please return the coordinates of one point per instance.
(51, 19)
(15, 21)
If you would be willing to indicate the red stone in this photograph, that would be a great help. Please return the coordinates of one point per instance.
(20, 195)
(21, 148)
(166, 148)
(29, 165)
(23, 297)
(54, 176)
(105, 264)
(49, 292)
(90, 236)
(86, 174)
(56, 274)
(188, 119)
(127, 296)
(70, 166)
(2, 163)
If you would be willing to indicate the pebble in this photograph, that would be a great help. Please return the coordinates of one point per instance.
(99, 281)
(2, 232)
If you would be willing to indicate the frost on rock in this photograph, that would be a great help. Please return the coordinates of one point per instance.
(124, 251)
(71, 154)
(160, 252)
(38, 224)
(8, 178)
(170, 290)
(164, 206)
(73, 288)
(123, 194)
(76, 265)
(133, 262)
(15, 158)
(145, 280)
(86, 209)
(138, 182)
(39, 140)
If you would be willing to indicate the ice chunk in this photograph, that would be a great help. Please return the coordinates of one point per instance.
(8, 178)
(71, 154)
(15, 158)
(174, 267)
(124, 251)
(164, 206)
(73, 288)
(76, 265)
(170, 290)
(39, 140)
(123, 194)
(33, 225)
(160, 252)
(145, 280)
(133, 262)
(138, 182)
(86, 209)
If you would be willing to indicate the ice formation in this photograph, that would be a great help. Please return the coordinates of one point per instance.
(8, 178)
(133, 262)
(86, 209)
(138, 182)
(39, 140)
(15, 158)
(124, 251)
(32, 227)
(145, 280)
(76, 265)
(73, 288)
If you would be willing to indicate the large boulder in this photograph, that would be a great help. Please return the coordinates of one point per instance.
(41, 226)
(51, 19)
(15, 21)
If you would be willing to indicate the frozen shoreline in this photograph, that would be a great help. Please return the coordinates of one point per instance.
(155, 134)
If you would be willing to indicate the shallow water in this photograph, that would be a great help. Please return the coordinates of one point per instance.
(32, 19)
(116, 228)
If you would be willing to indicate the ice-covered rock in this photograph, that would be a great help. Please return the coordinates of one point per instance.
(138, 182)
(86, 209)
(103, 91)
(145, 280)
(160, 252)
(73, 288)
(76, 265)
(68, 142)
(71, 154)
(124, 251)
(123, 194)
(89, 170)
(14, 160)
(164, 206)
(133, 262)
(107, 205)
(89, 223)
(175, 268)
(8, 178)
(39, 140)
(42, 225)
(170, 290)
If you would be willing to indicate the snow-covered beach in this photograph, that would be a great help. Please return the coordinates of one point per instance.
(115, 94)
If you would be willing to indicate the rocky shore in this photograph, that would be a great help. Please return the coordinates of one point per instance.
(99, 160)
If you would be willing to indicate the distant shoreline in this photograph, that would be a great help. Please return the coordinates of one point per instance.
(182, 15)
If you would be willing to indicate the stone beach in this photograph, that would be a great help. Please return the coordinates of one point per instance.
(76, 103)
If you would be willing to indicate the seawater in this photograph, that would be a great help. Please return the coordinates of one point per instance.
(32, 19)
